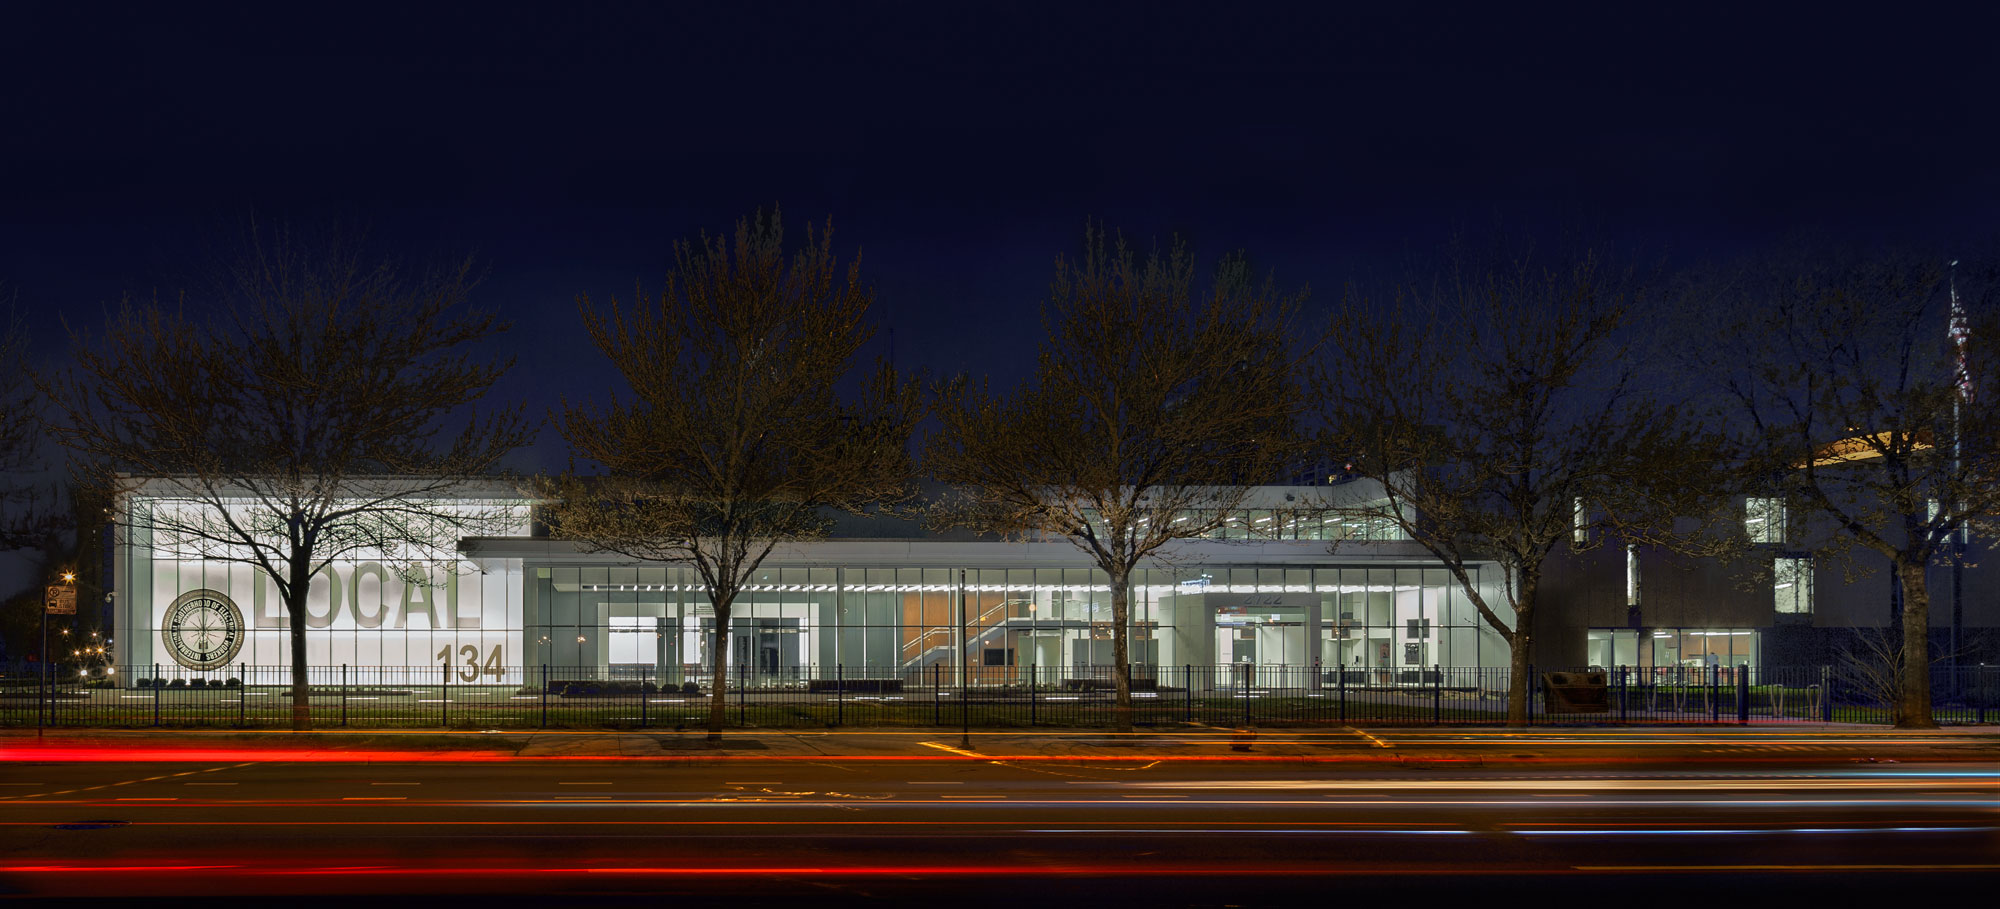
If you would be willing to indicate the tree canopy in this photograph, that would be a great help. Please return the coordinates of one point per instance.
(1156, 401)
(324, 410)
(745, 422)
(1851, 383)
(1500, 407)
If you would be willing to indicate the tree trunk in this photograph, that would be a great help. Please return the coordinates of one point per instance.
(1121, 671)
(718, 660)
(1913, 694)
(295, 612)
(1517, 679)
(1520, 651)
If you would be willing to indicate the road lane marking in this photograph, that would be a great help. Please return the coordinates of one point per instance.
(1371, 739)
(1813, 868)
(208, 784)
(1312, 831)
(934, 783)
(149, 800)
(1018, 766)
(954, 750)
(36, 795)
(1614, 784)
(374, 798)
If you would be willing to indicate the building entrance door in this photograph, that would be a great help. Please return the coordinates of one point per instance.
(1261, 647)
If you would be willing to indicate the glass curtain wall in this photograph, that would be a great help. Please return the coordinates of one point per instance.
(1673, 652)
(408, 615)
(797, 625)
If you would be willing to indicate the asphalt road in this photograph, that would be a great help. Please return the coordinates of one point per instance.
(1771, 819)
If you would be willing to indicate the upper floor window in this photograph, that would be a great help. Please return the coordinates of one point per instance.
(1791, 585)
(1631, 575)
(1764, 519)
(1580, 524)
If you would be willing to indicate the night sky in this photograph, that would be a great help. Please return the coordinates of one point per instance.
(961, 147)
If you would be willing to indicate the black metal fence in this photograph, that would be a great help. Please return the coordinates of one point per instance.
(984, 697)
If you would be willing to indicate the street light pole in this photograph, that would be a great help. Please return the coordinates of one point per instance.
(47, 705)
(43, 707)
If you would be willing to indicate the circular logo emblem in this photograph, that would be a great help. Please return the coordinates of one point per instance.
(203, 629)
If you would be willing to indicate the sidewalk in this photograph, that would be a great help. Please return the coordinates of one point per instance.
(1196, 743)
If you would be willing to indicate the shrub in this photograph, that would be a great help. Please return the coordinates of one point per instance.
(215, 683)
(690, 688)
(177, 683)
(233, 683)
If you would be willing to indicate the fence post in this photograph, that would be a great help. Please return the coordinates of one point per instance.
(937, 694)
(742, 693)
(1715, 694)
(1742, 695)
(1437, 695)
(1032, 697)
(1826, 694)
(1246, 695)
(839, 694)
(158, 683)
(241, 690)
(444, 697)
(1315, 684)
(545, 695)
(643, 698)
(1187, 692)
(1624, 716)
(1340, 673)
(1984, 689)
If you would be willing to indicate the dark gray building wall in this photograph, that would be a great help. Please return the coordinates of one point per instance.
(1853, 589)
(1587, 590)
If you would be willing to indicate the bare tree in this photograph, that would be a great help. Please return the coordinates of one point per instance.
(28, 518)
(1495, 406)
(737, 435)
(1852, 387)
(320, 413)
(1154, 405)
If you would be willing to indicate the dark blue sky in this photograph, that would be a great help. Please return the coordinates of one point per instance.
(961, 146)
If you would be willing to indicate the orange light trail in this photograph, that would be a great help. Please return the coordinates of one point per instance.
(1375, 756)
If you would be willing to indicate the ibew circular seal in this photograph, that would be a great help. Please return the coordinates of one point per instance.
(203, 629)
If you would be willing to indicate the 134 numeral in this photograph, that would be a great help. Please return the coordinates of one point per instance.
(472, 668)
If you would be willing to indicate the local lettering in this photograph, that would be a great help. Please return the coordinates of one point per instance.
(372, 595)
